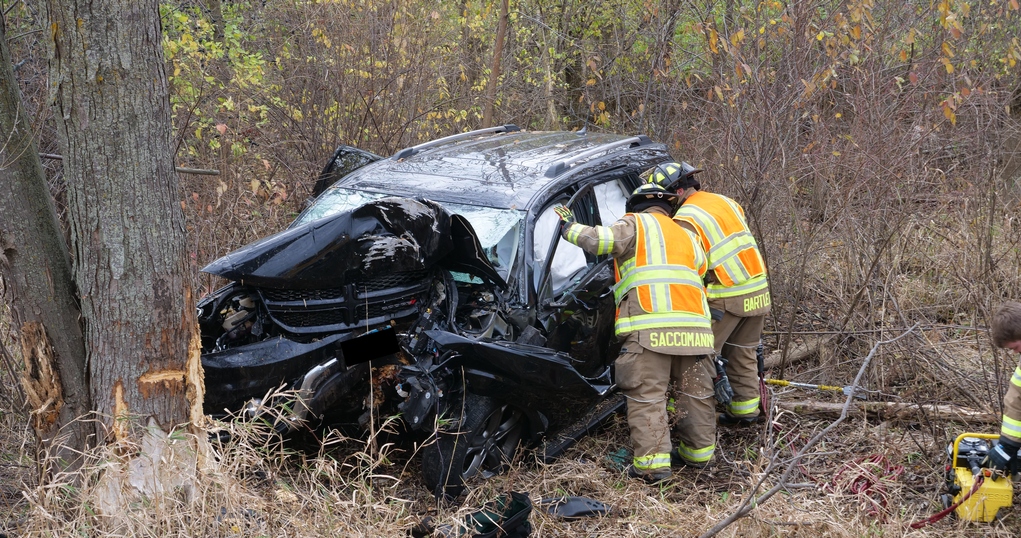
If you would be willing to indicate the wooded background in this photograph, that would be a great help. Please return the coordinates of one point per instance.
(875, 144)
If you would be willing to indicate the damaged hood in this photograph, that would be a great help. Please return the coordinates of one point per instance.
(384, 236)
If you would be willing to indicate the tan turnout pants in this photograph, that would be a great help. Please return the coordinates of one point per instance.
(643, 376)
(735, 339)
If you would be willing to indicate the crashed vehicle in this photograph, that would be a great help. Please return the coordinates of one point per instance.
(433, 285)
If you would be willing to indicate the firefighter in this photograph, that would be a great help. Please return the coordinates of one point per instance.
(736, 285)
(1006, 333)
(663, 320)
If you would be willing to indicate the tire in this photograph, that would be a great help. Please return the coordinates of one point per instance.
(482, 445)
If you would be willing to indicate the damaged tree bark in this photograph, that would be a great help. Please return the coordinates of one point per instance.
(111, 101)
(37, 284)
(120, 317)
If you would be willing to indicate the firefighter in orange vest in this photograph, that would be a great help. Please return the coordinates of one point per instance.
(737, 287)
(663, 320)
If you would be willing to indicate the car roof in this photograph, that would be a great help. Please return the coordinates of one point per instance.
(502, 170)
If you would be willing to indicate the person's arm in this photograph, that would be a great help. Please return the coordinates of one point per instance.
(1011, 428)
(613, 240)
(1004, 455)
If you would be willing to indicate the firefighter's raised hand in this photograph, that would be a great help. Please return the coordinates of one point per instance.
(564, 213)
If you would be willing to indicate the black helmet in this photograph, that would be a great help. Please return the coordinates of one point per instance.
(675, 177)
(648, 194)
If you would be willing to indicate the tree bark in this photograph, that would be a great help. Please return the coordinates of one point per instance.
(36, 272)
(110, 98)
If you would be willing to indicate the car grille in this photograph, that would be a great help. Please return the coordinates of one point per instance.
(359, 304)
(303, 295)
(362, 315)
(378, 283)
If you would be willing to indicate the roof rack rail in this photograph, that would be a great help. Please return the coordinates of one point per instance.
(408, 152)
(560, 167)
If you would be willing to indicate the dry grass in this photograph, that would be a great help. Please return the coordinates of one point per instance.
(258, 486)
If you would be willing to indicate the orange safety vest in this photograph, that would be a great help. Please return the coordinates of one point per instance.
(733, 254)
(667, 281)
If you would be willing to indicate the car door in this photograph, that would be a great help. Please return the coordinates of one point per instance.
(579, 311)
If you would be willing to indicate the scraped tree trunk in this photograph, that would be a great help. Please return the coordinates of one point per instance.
(110, 97)
(36, 271)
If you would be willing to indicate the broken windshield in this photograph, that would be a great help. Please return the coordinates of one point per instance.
(497, 229)
(335, 201)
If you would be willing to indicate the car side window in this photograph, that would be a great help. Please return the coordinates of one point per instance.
(568, 259)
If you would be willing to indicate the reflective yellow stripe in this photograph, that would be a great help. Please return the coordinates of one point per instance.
(652, 461)
(655, 273)
(744, 407)
(663, 277)
(605, 244)
(703, 220)
(1011, 427)
(664, 274)
(1016, 378)
(723, 250)
(655, 257)
(719, 291)
(668, 321)
(696, 455)
(701, 261)
(573, 232)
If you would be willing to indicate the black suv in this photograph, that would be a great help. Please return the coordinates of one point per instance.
(429, 285)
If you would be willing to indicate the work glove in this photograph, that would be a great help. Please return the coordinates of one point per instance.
(1003, 457)
(721, 384)
(564, 213)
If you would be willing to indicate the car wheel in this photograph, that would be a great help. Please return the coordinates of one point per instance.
(481, 446)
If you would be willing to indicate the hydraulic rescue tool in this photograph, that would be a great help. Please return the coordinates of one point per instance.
(721, 383)
(974, 492)
(760, 359)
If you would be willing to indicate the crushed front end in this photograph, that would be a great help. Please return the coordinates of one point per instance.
(335, 314)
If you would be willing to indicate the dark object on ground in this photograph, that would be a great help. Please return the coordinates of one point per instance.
(505, 517)
(433, 285)
(574, 507)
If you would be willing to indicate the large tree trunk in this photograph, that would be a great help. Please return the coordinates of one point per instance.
(36, 272)
(110, 98)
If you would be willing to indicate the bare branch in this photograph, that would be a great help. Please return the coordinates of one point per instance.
(752, 501)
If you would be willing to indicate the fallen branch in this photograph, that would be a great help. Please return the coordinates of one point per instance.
(810, 348)
(751, 501)
(888, 410)
(180, 169)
